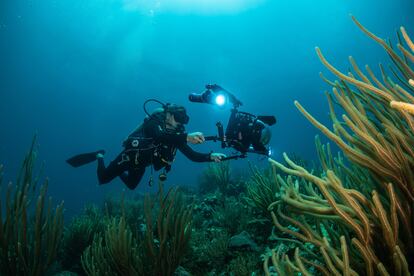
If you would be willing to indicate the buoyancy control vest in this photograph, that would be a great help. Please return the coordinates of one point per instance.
(144, 150)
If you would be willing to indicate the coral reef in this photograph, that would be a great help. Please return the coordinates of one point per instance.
(356, 217)
(262, 188)
(177, 233)
(117, 253)
(216, 176)
(221, 177)
(79, 235)
(130, 208)
(167, 240)
(243, 265)
(28, 242)
(230, 210)
(158, 251)
(229, 233)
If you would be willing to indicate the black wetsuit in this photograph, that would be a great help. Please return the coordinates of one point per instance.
(151, 144)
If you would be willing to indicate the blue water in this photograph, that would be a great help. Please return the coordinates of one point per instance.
(77, 72)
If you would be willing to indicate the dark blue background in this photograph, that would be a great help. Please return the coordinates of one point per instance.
(77, 72)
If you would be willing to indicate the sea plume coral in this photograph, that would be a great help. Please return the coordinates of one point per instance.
(121, 251)
(408, 107)
(334, 217)
(356, 214)
(215, 176)
(116, 253)
(28, 245)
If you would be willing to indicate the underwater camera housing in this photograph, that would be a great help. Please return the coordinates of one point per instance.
(245, 132)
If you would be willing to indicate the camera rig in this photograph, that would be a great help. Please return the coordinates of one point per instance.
(245, 132)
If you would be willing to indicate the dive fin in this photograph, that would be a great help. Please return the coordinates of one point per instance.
(83, 159)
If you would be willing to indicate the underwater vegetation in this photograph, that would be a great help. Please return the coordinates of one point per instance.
(79, 235)
(29, 242)
(169, 233)
(159, 251)
(356, 217)
(221, 177)
(216, 176)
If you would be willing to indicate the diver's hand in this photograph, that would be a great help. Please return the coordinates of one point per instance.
(195, 138)
(216, 157)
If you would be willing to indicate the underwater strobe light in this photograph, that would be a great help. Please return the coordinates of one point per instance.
(216, 95)
(220, 100)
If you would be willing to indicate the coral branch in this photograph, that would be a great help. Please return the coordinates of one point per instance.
(28, 248)
(357, 210)
(403, 106)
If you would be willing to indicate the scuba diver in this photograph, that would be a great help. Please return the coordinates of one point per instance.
(154, 143)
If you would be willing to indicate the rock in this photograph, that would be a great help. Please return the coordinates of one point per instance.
(242, 241)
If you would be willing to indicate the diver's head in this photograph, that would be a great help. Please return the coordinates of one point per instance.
(176, 115)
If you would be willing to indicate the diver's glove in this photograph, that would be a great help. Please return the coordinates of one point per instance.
(195, 138)
(216, 156)
(100, 154)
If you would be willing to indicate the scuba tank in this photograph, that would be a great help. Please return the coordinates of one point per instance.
(137, 139)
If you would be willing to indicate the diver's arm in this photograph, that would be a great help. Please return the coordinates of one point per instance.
(193, 155)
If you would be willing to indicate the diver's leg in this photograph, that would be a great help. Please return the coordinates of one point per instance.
(115, 168)
(133, 177)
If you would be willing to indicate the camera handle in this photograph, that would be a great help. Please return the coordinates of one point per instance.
(234, 157)
(220, 137)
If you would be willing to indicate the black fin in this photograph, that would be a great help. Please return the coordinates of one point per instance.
(83, 159)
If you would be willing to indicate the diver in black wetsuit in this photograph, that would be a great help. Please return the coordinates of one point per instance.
(153, 143)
